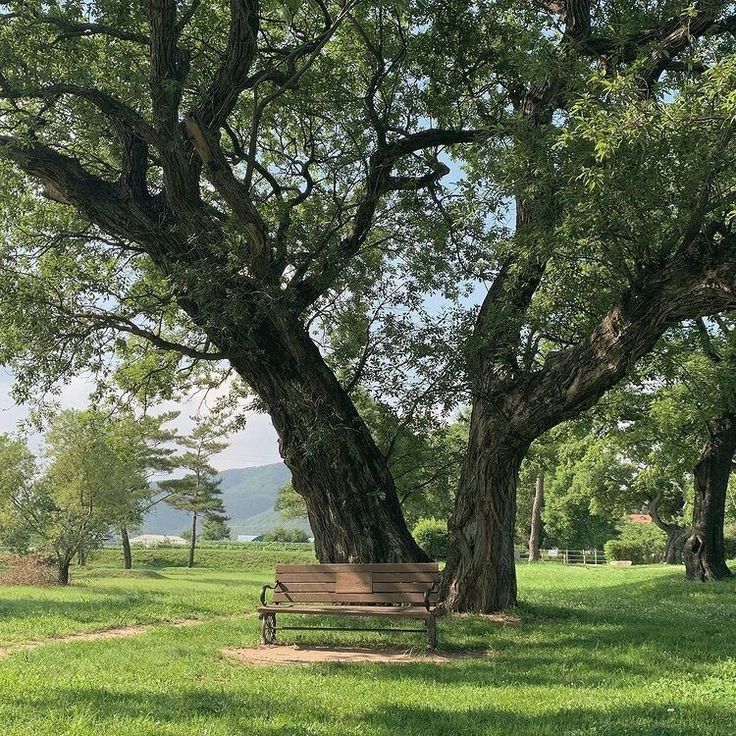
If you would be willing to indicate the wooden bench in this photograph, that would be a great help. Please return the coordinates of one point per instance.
(394, 591)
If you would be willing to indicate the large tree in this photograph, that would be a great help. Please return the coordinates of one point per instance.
(215, 171)
(618, 169)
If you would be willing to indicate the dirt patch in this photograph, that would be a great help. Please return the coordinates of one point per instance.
(120, 633)
(283, 654)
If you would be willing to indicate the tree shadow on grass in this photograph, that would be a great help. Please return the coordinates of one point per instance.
(640, 632)
(656, 720)
(296, 713)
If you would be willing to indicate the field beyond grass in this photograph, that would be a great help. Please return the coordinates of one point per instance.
(599, 651)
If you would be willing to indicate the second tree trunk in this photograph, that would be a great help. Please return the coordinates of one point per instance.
(480, 575)
(705, 554)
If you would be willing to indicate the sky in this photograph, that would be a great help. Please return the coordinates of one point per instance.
(254, 445)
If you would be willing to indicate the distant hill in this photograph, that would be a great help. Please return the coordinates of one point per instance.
(248, 494)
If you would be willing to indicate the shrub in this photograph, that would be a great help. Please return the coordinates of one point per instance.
(431, 536)
(281, 534)
(27, 570)
(215, 530)
(640, 543)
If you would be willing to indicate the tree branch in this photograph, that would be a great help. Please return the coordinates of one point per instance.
(72, 28)
(166, 73)
(231, 78)
(123, 324)
(65, 180)
(378, 181)
(574, 379)
(233, 192)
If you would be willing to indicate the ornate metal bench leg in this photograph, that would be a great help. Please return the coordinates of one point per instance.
(432, 633)
(268, 628)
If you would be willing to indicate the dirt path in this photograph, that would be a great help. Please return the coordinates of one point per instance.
(122, 632)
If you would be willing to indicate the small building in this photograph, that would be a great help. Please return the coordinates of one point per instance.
(250, 538)
(154, 540)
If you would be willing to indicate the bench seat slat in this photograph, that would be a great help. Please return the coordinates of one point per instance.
(374, 611)
(378, 577)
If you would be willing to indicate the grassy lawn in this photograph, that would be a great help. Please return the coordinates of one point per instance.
(598, 651)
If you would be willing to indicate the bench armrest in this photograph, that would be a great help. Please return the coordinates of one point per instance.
(428, 593)
(268, 587)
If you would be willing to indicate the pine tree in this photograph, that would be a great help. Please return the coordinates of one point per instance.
(198, 493)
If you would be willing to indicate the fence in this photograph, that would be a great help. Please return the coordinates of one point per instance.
(568, 556)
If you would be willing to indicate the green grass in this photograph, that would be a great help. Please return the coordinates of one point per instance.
(599, 651)
(220, 555)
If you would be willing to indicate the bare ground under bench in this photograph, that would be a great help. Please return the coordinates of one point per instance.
(274, 654)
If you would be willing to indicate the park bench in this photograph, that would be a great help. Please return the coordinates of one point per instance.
(388, 590)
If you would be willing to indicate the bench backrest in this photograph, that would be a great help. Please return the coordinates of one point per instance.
(359, 583)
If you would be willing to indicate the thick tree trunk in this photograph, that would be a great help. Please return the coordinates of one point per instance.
(351, 500)
(480, 575)
(536, 529)
(64, 564)
(127, 552)
(193, 540)
(705, 555)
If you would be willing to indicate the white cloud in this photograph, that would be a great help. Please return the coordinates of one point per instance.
(256, 444)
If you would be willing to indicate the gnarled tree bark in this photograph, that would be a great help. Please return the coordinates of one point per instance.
(480, 570)
(351, 499)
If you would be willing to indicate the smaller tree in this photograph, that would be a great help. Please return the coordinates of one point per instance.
(431, 536)
(22, 512)
(198, 493)
(83, 494)
(154, 454)
(200, 496)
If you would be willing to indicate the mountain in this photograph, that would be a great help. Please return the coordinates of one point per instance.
(248, 494)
